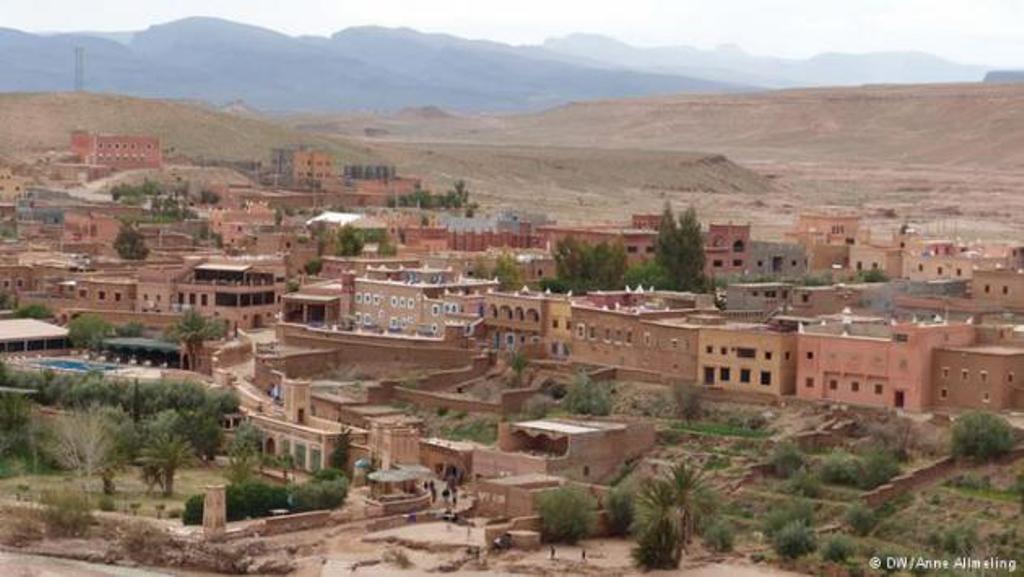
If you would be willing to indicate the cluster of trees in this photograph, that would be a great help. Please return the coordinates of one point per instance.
(350, 241)
(505, 269)
(166, 205)
(32, 312)
(106, 425)
(678, 263)
(456, 197)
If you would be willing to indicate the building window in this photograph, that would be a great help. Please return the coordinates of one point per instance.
(709, 349)
(855, 387)
(1006, 290)
(746, 353)
(943, 393)
(984, 376)
(963, 374)
(985, 398)
(945, 372)
(768, 355)
(723, 374)
(833, 384)
(744, 375)
(1009, 377)
(810, 355)
(766, 378)
(723, 350)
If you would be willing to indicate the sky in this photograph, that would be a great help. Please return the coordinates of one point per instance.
(986, 32)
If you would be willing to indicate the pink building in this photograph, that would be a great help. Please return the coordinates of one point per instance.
(118, 151)
(873, 363)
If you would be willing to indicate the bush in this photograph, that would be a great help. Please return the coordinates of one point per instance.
(251, 499)
(566, 514)
(840, 468)
(329, 474)
(192, 514)
(688, 401)
(798, 510)
(804, 484)
(786, 459)
(794, 540)
(982, 436)
(106, 503)
(719, 536)
(619, 507)
(861, 519)
(877, 468)
(587, 397)
(66, 513)
(838, 549)
(959, 540)
(317, 495)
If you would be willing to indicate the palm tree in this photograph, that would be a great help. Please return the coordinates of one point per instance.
(165, 454)
(669, 508)
(192, 330)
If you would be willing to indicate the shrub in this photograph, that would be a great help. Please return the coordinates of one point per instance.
(688, 401)
(328, 474)
(719, 536)
(861, 519)
(66, 513)
(838, 549)
(619, 507)
(786, 459)
(317, 495)
(797, 510)
(981, 435)
(588, 397)
(105, 503)
(794, 540)
(804, 484)
(192, 514)
(960, 540)
(840, 468)
(251, 499)
(566, 514)
(877, 468)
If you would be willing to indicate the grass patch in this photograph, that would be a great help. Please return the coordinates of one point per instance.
(719, 429)
(477, 430)
(987, 493)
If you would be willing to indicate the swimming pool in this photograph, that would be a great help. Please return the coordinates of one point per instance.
(74, 365)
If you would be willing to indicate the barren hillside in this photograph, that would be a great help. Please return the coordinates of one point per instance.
(34, 123)
(969, 124)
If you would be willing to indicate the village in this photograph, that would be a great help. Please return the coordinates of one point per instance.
(300, 366)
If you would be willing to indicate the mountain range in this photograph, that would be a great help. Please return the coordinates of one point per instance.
(385, 69)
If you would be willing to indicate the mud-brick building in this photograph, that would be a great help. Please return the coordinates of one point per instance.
(749, 357)
(878, 364)
(515, 320)
(587, 451)
(985, 377)
(117, 151)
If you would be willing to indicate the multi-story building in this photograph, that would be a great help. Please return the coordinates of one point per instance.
(985, 377)
(245, 293)
(757, 296)
(726, 250)
(302, 167)
(874, 363)
(412, 300)
(517, 319)
(236, 225)
(748, 357)
(117, 151)
(777, 259)
(1001, 287)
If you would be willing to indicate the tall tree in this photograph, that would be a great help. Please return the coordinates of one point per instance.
(83, 441)
(88, 331)
(507, 270)
(165, 454)
(192, 330)
(668, 509)
(680, 249)
(130, 244)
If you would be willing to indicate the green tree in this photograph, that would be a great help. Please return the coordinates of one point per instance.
(861, 519)
(586, 396)
(982, 435)
(648, 274)
(786, 459)
(192, 330)
(340, 452)
(567, 514)
(508, 272)
(583, 267)
(518, 363)
(34, 311)
(346, 241)
(620, 509)
(794, 540)
(87, 331)
(680, 249)
(668, 511)
(130, 244)
(15, 422)
(165, 454)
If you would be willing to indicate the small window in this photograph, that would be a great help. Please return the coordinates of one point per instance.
(744, 375)
(855, 387)
(945, 372)
(768, 355)
(985, 398)
(984, 376)
(724, 374)
(943, 393)
(963, 374)
(709, 349)
(833, 384)
(810, 355)
(809, 382)
(878, 388)
(766, 378)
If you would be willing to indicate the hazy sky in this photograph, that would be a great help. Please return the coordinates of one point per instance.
(971, 31)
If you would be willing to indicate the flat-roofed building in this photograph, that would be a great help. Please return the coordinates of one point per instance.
(516, 320)
(31, 336)
(589, 451)
(874, 362)
(984, 377)
(748, 357)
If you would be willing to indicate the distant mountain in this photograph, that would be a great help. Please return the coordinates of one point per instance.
(1005, 77)
(731, 64)
(366, 68)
